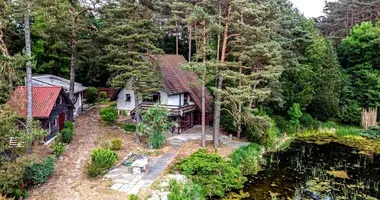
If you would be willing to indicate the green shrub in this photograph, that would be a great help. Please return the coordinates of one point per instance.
(373, 132)
(116, 144)
(109, 114)
(130, 127)
(350, 113)
(329, 125)
(91, 95)
(185, 191)
(124, 113)
(257, 129)
(133, 197)
(101, 160)
(12, 175)
(38, 173)
(113, 104)
(227, 122)
(58, 148)
(69, 125)
(295, 114)
(17, 194)
(211, 172)
(283, 125)
(155, 123)
(67, 135)
(103, 95)
(248, 159)
(308, 123)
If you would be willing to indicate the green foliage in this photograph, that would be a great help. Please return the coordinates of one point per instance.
(283, 125)
(12, 175)
(116, 144)
(359, 53)
(58, 148)
(91, 94)
(130, 127)
(372, 132)
(155, 124)
(348, 130)
(185, 191)
(211, 172)
(295, 113)
(350, 113)
(103, 95)
(227, 122)
(67, 135)
(101, 160)
(38, 173)
(113, 104)
(257, 128)
(133, 197)
(109, 114)
(124, 113)
(69, 125)
(329, 125)
(248, 159)
(307, 122)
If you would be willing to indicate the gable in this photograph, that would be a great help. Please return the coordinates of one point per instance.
(43, 100)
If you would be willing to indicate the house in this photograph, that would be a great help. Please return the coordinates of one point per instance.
(50, 105)
(51, 80)
(181, 95)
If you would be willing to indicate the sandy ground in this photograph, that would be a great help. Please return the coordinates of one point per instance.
(69, 180)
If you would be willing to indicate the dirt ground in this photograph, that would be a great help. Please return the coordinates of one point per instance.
(69, 181)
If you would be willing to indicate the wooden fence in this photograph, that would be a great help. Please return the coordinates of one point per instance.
(369, 118)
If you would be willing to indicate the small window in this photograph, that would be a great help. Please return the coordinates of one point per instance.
(128, 98)
(49, 126)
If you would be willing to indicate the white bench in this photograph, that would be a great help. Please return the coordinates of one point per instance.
(139, 166)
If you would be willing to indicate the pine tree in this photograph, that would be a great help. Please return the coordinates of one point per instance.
(131, 32)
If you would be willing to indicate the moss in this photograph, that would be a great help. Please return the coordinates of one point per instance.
(357, 142)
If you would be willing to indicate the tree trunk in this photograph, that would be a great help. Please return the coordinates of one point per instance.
(218, 97)
(137, 115)
(73, 63)
(176, 37)
(253, 94)
(203, 136)
(28, 81)
(219, 23)
(239, 109)
(196, 42)
(190, 32)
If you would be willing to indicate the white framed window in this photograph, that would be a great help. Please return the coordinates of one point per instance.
(127, 97)
(56, 122)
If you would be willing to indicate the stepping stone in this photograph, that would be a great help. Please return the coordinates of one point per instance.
(125, 188)
(116, 186)
(115, 171)
(121, 181)
(134, 190)
(127, 176)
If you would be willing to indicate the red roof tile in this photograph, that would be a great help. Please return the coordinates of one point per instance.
(44, 98)
(177, 80)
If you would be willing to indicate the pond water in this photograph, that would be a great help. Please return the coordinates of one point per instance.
(317, 171)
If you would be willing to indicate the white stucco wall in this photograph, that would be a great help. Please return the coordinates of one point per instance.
(122, 104)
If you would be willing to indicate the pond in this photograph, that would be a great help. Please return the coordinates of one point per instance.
(317, 171)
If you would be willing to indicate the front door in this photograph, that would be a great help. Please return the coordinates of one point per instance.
(61, 121)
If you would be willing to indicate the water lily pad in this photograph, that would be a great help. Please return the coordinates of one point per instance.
(339, 174)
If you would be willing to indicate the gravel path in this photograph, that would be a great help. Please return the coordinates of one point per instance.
(69, 180)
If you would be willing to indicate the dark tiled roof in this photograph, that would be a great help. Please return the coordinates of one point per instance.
(177, 80)
(44, 98)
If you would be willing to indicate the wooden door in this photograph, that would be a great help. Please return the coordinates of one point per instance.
(61, 121)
